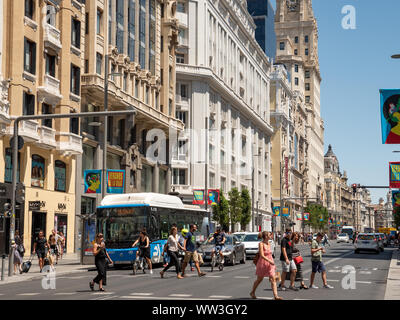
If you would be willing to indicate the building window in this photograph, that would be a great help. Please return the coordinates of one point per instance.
(8, 169)
(306, 52)
(137, 89)
(131, 30)
(296, 68)
(296, 81)
(76, 33)
(162, 182)
(142, 34)
(307, 87)
(74, 125)
(295, 52)
(306, 39)
(307, 74)
(181, 115)
(47, 109)
(50, 65)
(180, 58)
(87, 23)
(87, 157)
(110, 22)
(152, 36)
(181, 7)
(223, 184)
(29, 8)
(60, 176)
(29, 104)
(212, 180)
(51, 15)
(179, 176)
(29, 56)
(125, 81)
(296, 39)
(99, 21)
(307, 99)
(282, 46)
(113, 161)
(121, 133)
(120, 26)
(38, 171)
(99, 63)
(147, 179)
(75, 79)
(86, 66)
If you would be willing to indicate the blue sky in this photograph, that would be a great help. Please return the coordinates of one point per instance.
(355, 64)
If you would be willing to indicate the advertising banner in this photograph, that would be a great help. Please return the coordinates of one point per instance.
(299, 217)
(394, 175)
(396, 198)
(285, 212)
(92, 180)
(277, 211)
(390, 115)
(306, 216)
(198, 197)
(115, 181)
(213, 196)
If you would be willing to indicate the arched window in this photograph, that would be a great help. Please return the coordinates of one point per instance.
(38, 171)
(60, 176)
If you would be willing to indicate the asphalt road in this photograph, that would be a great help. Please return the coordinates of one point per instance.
(232, 283)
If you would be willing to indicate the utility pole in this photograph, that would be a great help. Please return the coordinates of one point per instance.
(104, 170)
(206, 179)
(280, 196)
(252, 194)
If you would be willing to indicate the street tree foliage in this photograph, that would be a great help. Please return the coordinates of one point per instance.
(317, 211)
(235, 207)
(221, 211)
(246, 209)
(396, 216)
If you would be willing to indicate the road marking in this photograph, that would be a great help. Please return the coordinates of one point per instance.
(213, 276)
(374, 269)
(301, 299)
(364, 282)
(239, 277)
(64, 293)
(141, 294)
(333, 280)
(334, 270)
(102, 293)
(365, 272)
(180, 295)
(28, 294)
(221, 297)
(265, 298)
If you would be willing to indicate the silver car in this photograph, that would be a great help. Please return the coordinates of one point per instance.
(233, 251)
(366, 242)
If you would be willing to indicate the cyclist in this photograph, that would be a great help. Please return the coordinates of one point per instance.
(220, 239)
(144, 246)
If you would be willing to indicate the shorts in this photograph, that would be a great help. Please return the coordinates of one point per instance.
(288, 267)
(145, 253)
(318, 266)
(191, 256)
(41, 254)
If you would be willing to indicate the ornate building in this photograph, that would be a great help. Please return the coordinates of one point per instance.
(297, 48)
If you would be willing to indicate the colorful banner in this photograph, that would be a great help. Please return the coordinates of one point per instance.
(321, 219)
(115, 181)
(285, 212)
(92, 180)
(277, 211)
(390, 116)
(299, 217)
(394, 175)
(306, 216)
(396, 198)
(287, 172)
(198, 197)
(213, 196)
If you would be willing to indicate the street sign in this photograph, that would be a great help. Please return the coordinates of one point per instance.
(20, 142)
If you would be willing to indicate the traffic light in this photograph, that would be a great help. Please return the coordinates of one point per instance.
(354, 186)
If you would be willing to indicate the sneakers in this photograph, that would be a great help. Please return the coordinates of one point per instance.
(293, 288)
(327, 286)
(313, 287)
(151, 271)
(282, 288)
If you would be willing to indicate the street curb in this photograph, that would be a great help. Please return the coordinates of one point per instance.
(393, 279)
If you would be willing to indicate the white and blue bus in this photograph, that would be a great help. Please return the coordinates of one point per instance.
(121, 218)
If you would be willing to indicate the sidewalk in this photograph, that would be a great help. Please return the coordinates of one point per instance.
(393, 280)
(70, 263)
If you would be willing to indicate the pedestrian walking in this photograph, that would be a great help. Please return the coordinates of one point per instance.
(17, 257)
(298, 260)
(61, 244)
(317, 264)
(265, 266)
(288, 265)
(53, 245)
(172, 247)
(100, 260)
(39, 247)
(325, 240)
(144, 246)
(191, 252)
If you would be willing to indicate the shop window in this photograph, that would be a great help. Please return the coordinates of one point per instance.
(8, 168)
(60, 175)
(38, 171)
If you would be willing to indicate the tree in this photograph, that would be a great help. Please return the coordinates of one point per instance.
(246, 208)
(317, 212)
(396, 216)
(221, 211)
(235, 207)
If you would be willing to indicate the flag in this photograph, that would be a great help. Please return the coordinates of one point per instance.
(277, 211)
(285, 212)
(321, 219)
(390, 116)
(394, 174)
(92, 179)
(198, 197)
(213, 197)
(299, 217)
(306, 216)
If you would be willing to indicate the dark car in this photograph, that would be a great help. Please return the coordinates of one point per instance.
(233, 251)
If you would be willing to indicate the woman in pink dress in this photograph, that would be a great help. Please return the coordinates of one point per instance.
(265, 266)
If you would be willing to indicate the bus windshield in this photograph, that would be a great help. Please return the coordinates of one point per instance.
(121, 226)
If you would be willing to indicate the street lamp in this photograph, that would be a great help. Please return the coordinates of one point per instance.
(396, 56)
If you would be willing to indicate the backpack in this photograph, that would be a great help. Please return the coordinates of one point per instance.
(21, 249)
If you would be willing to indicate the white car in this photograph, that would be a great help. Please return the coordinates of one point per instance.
(251, 241)
(366, 242)
(343, 237)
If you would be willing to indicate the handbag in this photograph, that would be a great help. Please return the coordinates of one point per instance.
(298, 260)
(256, 258)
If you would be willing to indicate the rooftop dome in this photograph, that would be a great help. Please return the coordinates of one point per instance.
(330, 152)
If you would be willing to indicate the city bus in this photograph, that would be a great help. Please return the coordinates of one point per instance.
(349, 230)
(121, 218)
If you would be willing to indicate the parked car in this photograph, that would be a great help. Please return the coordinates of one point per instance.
(234, 250)
(366, 242)
(343, 237)
(379, 238)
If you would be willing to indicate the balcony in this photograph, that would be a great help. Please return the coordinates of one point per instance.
(182, 18)
(50, 91)
(69, 143)
(28, 129)
(4, 107)
(52, 37)
(47, 138)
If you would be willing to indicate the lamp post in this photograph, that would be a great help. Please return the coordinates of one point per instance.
(15, 161)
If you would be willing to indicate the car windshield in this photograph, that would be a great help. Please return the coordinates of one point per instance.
(343, 235)
(240, 236)
(365, 237)
(251, 238)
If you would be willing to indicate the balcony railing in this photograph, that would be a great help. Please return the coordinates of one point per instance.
(50, 89)
(52, 37)
(47, 137)
(69, 143)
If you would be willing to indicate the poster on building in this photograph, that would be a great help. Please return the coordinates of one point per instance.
(394, 175)
(92, 180)
(299, 217)
(306, 216)
(89, 237)
(277, 211)
(285, 212)
(115, 181)
(390, 115)
(396, 198)
(198, 197)
(213, 197)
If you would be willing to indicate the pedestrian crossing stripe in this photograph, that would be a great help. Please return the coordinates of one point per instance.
(221, 297)
(180, 295)
(64, 293)
(142, 294)
(29, 294)
(102, 293)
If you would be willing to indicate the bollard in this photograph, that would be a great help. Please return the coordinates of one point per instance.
(3, 259)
